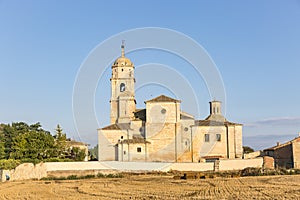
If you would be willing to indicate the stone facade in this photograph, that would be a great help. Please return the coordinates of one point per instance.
(285, 155)
(162, 132)
(122, 90)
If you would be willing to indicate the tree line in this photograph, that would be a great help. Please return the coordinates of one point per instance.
(31, 143)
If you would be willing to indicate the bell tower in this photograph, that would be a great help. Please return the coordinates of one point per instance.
(122, 102)
(215, 111)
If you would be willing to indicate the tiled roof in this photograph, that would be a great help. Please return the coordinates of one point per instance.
(163, 98)
(213, 123)
(120, 126)
(232, 123)
(211, 157)
(208, 123)
(182, 116)
(282, 145)
(136, 139)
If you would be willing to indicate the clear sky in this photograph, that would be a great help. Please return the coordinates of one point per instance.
(254, 44)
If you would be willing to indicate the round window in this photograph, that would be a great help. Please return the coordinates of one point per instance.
(186, 129)
(163, 111)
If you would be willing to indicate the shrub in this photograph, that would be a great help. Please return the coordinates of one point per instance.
(100, 175)
(72, 177)
(53, 178)
(9, 164)
(252, 171)
(297, 171)
(58, 160)
(87, 176)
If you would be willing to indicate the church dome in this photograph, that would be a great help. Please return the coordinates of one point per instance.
(123, 61)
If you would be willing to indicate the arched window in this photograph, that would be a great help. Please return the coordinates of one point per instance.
(122, 87)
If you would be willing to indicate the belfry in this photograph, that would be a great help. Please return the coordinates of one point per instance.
(122, 102)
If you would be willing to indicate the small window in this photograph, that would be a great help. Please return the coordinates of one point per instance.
(163, 111)
(121, 137)
(122, 87)
(122, 68)
(124, 152)
(139, 149)
(206, 137)
(186, 129)
(218, 137)
(214, 110)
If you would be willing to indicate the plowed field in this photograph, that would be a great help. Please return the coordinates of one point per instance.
(156, 187)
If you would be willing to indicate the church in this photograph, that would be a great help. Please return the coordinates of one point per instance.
(162, 132)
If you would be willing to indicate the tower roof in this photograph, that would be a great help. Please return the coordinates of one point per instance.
(123, 61)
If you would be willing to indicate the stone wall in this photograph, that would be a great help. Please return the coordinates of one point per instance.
(26, 171)
(268, 162)
(238, 164)
(252, 155)
(78, 173)
(107, 140)
(130, 152)
(162, 142)
(212, 147)
(64, 169)
(296, 153)
(283, 156)
(238, 141)
(191, 167)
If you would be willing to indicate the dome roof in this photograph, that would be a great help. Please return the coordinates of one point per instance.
(122, 61)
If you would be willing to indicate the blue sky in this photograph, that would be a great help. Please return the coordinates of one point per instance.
(254, 44)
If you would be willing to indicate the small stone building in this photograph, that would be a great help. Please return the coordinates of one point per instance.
(286, 155)
(162, 132)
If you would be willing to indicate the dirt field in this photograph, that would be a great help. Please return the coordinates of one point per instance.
(156, 187)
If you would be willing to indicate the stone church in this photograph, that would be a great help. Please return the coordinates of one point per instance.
(162, 132)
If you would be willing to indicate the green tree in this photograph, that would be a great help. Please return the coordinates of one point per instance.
(60, 142)
(77, 154)
(31, 143)
(247, 149)
(11, 135)
(2, 150)
(2, 143)
(34, 144)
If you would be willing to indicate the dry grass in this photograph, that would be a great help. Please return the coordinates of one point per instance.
(156, 187)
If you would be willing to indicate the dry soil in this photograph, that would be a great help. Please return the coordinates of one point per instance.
(156, 187)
